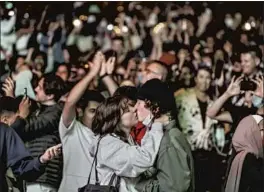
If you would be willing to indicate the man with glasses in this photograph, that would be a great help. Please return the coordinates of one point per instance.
(155, 70)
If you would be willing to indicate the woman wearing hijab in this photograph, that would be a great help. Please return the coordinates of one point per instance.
(247, 170)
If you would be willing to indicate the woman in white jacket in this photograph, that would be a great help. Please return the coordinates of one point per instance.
(117, 154)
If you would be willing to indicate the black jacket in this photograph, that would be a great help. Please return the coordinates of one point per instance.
(40, 133)
(252, 176)
(14, 154)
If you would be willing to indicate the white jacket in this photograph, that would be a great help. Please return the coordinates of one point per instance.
(125, 160)
(190, 118)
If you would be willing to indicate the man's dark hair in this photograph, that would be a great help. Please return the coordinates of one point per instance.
(53, 84)
(90, 95)
(8, 105)
(205, 68)
(252, 51)
(110, 53)
(189, 65)
(118, 38)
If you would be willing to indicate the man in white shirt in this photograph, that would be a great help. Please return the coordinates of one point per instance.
(76, 136)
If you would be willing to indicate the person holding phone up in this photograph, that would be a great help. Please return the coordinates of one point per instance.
(253, 90)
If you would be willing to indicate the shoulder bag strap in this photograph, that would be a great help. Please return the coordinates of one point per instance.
(94, 161)
(117, 181)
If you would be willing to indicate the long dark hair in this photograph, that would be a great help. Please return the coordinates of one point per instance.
(107, 119)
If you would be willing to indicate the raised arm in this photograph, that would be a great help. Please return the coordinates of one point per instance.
(69, 110)
(232, 90)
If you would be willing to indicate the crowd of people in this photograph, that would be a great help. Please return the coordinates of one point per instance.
(149, 97)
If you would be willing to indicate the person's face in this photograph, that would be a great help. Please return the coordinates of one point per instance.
(207, 60)
(40, 93)
(140, 72)
(244, 38)
(153, 71)
(20, 62)
(183, 54)
(185, 76)
(156, 10)
(39, 62)
(129, 117)
(228, 47)
(117, 46)
(62, 72)
(131, 68)
(248, 64)
(89, 113)
(8, 118)
(210, 42)
(203, 80)
(142, 111)
(219, 55)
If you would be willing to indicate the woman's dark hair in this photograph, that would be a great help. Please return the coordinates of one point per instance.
(13, 62)
(127, 91)
(107, 118)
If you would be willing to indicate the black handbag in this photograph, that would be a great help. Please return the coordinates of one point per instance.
(97, 187)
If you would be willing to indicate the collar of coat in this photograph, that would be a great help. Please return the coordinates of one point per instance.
(170, 125)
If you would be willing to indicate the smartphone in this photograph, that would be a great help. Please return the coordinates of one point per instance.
(25, 92)
(219, 68)
(247, 85)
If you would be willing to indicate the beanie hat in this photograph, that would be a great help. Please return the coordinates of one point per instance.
(157, 92)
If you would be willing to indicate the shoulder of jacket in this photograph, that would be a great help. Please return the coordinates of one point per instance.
(183, 92)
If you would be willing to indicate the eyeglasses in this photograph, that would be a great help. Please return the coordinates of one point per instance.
(150, 71)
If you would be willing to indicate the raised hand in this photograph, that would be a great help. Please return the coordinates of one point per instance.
(103, 67)
(234, 87)
(110, 65)
(260, 83)
(107, 66)
(24, 107)
(95, 65)
(51, 153)
(8, 87)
